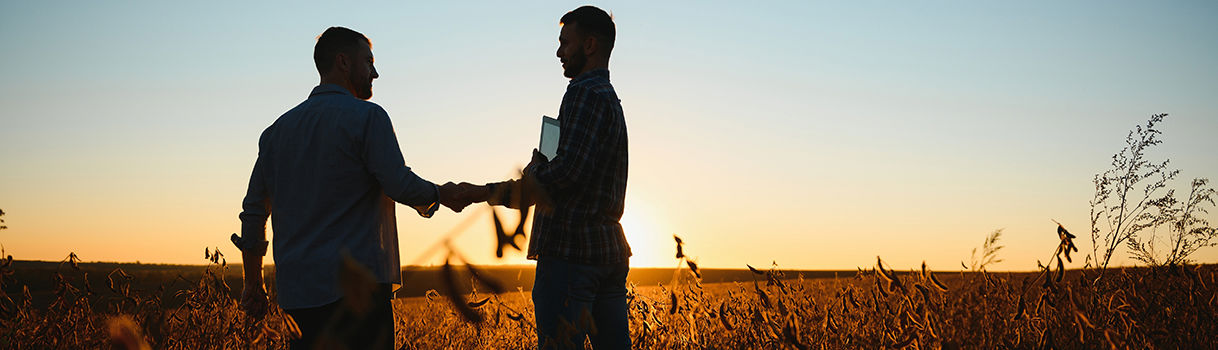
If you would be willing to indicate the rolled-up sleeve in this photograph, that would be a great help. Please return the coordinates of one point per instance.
(385, 163)
(256, 207)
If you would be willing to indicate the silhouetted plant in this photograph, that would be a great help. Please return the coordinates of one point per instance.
(1188, 230)
(1133, 198)
(989, 253)
(1119, 211)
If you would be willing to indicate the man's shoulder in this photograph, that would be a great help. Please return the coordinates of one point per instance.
(594, 88)
(337, 105)
(348, 109)
(368, 109)
(591, 81)
(346, 102)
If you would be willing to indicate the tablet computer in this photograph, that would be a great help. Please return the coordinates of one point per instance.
(549, 137)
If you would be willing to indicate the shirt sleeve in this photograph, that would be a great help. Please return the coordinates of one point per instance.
(256, 207)
(501, 194)
(581, 114)
(384, 160)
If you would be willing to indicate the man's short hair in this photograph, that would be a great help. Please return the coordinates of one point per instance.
(333, 41)
(590, 20)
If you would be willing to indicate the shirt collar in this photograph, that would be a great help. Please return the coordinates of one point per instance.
(329, 89)
(599, 72)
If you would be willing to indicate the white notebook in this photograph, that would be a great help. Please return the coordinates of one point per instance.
(549, 137)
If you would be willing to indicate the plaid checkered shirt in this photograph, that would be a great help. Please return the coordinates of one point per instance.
(586, 180)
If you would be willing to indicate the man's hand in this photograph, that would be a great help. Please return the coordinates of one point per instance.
(538, 159)
(253, 300)
(532, 188)
(253, 294)
(458, 196)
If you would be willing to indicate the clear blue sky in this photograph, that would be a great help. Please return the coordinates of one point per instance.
(814, 134)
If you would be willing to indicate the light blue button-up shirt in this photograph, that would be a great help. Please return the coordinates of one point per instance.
(330, 170)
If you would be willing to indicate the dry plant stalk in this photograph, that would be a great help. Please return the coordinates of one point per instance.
(1133, 200)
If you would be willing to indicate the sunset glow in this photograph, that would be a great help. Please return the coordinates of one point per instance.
(815, 135)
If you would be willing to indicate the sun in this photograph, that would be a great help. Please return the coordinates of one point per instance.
(647, 241)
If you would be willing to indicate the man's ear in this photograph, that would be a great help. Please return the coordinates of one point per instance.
(591, 45)
(342, 62)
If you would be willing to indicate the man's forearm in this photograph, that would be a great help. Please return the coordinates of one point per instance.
(500, 193)
(253, 245)
(517, 194)
(251, 262)
(253, 291)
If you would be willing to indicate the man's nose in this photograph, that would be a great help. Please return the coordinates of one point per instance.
(374, 75)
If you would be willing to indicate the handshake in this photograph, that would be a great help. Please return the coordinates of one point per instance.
(516, 194)
(458, 196)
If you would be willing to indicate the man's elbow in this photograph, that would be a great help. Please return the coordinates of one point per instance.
(557, 181)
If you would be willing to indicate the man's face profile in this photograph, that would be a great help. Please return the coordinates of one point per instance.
(571, 51)
(362, 72)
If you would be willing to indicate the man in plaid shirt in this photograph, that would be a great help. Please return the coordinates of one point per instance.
(577, 239)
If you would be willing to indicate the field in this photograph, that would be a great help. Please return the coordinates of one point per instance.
(1130, 308)
(1169, 303)
(873, 307)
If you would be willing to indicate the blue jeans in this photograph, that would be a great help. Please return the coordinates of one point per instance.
(338, 324)
(571, 301)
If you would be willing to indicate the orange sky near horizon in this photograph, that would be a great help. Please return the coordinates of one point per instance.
(811, 135)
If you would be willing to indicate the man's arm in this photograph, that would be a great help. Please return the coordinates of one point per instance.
(253, 293)
(515, 194)
(384, 160)
(256, 208)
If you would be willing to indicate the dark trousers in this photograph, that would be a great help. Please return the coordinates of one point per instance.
(573, 301)
(339, 324)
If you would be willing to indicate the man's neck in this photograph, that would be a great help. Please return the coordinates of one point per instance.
(594, 65)
(344, 83)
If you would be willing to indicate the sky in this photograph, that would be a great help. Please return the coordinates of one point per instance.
(813, 135)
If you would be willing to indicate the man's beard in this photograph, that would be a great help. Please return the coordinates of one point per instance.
(362, 90)
(575, 64)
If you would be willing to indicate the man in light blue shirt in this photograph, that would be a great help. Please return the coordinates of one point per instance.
(327, 175)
